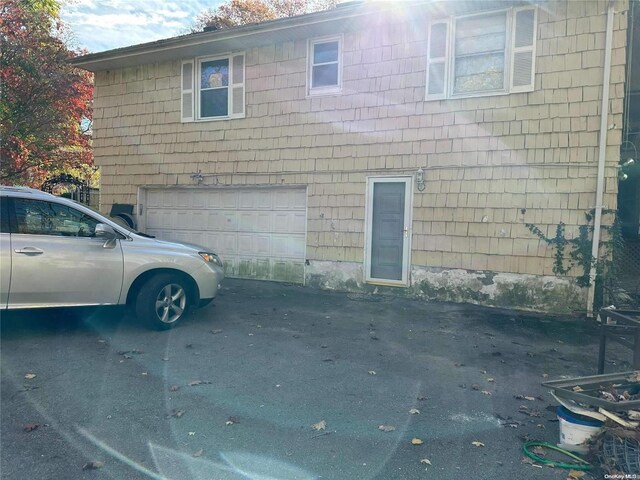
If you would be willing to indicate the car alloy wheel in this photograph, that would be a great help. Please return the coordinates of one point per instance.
(170, 303)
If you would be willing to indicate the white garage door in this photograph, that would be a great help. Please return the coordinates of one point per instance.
(259, 232)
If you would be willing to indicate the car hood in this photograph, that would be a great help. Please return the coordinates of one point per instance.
(184, 246)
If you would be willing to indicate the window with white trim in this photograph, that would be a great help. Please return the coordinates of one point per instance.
(482, 54)
(213, 88)
(325, 66)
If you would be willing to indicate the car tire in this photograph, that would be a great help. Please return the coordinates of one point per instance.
(163, 301)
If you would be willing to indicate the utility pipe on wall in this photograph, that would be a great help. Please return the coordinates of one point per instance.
(602, 150)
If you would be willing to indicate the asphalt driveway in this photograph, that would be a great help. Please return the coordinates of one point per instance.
(283, 382)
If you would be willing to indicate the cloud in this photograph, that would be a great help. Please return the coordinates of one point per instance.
(100, 25)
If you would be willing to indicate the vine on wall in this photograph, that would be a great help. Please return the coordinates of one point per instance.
(576, 252)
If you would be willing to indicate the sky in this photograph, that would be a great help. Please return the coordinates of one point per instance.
(100, 25)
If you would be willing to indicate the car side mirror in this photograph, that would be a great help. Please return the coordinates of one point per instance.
(107, 232)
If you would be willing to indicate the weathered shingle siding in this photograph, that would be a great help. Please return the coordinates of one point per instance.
(492, 163)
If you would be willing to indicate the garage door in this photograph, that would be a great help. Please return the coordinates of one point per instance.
(259, 232)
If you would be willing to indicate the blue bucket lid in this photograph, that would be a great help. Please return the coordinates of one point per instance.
(576, 418)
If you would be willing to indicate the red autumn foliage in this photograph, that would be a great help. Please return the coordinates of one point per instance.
(44, 100)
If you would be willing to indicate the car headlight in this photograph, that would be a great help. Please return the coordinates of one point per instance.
(211, 258)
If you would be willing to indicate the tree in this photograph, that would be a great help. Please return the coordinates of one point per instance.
(44, 102)
(242, 12)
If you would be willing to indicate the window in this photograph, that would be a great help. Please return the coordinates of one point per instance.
(35, 217)
(213, 88)
(482, 54)
(325, 75)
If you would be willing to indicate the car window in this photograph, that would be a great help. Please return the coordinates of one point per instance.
(36, 217)
(4, 216)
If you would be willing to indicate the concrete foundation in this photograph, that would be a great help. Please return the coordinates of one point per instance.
(548, 294)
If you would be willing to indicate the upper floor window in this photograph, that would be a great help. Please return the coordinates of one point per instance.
(482, 54)
(325, 66)
(213, 88)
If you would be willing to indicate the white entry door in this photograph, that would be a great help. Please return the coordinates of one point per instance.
(388, 246)
(259, 232)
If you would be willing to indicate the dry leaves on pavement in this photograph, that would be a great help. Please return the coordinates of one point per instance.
(476, 443)
(30, 376)
(416, 441)
(426, 461)
(414, 411)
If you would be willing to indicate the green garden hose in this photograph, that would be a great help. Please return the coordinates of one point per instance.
(580, 465)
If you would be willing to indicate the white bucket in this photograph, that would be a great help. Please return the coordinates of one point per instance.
(576, 429)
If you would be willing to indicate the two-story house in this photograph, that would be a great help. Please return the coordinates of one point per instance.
(399, 145)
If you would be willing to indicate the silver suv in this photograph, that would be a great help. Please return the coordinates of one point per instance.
(56, 252)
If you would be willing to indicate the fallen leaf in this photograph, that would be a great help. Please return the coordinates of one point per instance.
(528, 461)
(145, 373)
(484, 372)
(522, 397)
(197, 453)
(528, 411)
(386, 428)
(486, 392)
(321, 425)
(30, 376)
(577, 388)
(426, 461)
(372, 372)
(95, 465)
(414, 411)
(30, 427)
(575, 475)
(477, 444)
(192, 434)
(232, 421)
(539, 451)
(492, 380)
(174, 388)
(634, 377)
(416, 441)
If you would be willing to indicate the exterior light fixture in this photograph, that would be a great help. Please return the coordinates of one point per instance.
(420, 179)
(628, 163)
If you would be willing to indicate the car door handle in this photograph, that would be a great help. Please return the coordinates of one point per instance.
(29, 251)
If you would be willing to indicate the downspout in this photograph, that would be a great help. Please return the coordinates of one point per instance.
(602, 149)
